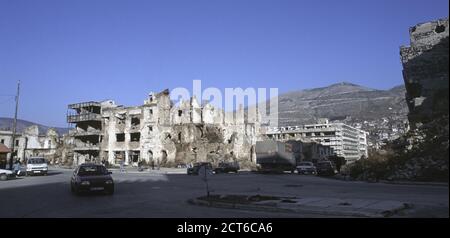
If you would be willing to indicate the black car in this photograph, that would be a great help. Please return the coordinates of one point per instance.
(226, 167)
(92, 178)
(194, 169)
(325, 168)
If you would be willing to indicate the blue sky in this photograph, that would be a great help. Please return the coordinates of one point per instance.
(70, 51)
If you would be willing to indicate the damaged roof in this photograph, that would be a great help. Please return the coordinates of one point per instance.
(4, 149)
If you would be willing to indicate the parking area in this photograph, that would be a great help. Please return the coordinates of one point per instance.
(164, 193)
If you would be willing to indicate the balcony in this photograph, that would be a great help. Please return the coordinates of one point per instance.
(83, 117)
(85, 146)
(84, 105)
(86, 133)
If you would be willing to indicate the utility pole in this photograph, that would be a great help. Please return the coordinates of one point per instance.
(13, 141)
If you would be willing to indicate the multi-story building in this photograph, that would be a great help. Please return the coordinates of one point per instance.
(87, 134)
(346, 141)
(161, 132)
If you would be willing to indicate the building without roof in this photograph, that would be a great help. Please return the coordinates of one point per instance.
(32, 143)
(160, 132)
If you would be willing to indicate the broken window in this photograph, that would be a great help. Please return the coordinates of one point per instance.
(3, 141)
(17, 142)
(135, 121)
(163, 157)
(135, 156)
(150, 155)
(135, 136)
(120, 118)
(150, 128)
(440, 29)
(120, 137)
(180, 112)
(151, 111)
(179, 136)
(119, 156)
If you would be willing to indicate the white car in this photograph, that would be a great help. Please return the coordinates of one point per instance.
(37, 165)
(306, 168)
(5, 174)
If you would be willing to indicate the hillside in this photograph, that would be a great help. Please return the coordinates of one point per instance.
(7, 124)
(340, 101)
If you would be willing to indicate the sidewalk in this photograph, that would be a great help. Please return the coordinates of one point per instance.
(399, 182)
(317, 205)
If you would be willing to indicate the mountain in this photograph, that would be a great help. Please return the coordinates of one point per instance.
(340, 101)
(382, 113)
(7, 124)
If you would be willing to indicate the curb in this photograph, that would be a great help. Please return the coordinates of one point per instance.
(392, 182)
(415, 183)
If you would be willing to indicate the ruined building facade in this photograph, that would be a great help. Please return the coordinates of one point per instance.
(33, 143)
(425, 71)
(161, 132)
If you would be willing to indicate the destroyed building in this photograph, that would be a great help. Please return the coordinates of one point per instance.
(32, 143)
(425, 71)
(162, 132)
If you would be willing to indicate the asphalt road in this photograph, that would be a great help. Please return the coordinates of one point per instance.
(149, 194)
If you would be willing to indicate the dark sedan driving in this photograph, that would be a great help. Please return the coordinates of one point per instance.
(92, 178)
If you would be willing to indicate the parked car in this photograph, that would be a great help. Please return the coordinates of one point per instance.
(36, 165)
(6, 174)
(226, 167)
(326, 168)
(91, 178)
(306, 168)
(196, 167)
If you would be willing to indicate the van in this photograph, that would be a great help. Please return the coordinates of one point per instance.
(37, 165)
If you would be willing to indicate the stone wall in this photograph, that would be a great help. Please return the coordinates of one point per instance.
(176, 134)
(425, 71)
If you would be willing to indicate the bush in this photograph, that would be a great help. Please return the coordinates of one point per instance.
(421, 155)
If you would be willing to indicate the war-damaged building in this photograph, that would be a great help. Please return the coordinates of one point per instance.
(161, 132)
(425, 71)
(33, 143)
(87, 134)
